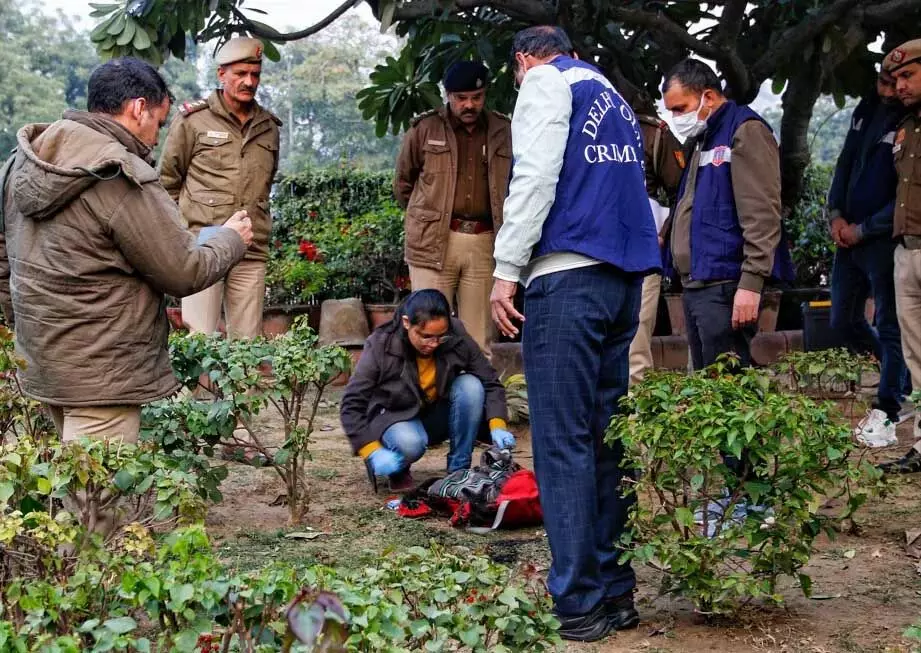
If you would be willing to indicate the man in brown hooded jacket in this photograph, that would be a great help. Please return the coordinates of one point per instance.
(91, 244)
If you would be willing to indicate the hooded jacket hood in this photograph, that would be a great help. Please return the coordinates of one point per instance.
(56, 163)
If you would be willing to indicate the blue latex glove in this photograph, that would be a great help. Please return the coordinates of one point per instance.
(502, 439)
(385, 462)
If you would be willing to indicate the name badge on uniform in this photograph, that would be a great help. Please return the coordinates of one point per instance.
(212, 134)
(433, 142)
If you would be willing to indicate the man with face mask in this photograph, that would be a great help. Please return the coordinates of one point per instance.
(726, 224)
(580, 235)
(451, 177)
(221, 155)
(860, 206)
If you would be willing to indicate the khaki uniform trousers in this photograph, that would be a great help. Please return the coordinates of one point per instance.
(467, 274)
(114, 423)
(908, 308)
(241, 294)
(641, 347)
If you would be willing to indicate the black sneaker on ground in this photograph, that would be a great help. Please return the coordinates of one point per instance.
(621, 612)
(907, 464)
(587, 627)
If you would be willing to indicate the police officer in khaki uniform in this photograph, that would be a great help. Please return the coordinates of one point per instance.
(664, 167)
(904, 64)
(221, 155)
(452, 177)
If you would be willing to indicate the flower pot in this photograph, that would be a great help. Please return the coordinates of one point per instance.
(277, 319)
(769, 311)
(380, 314)
(676, 314)
(343, 322)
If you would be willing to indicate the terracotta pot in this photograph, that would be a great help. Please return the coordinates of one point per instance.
(278, 319)
(343, 322)
(343, 378)
(770, 309)
(676, 314)
(380, 314)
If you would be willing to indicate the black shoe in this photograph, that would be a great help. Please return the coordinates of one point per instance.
(621, 612)
(907, 464)
(587, 627)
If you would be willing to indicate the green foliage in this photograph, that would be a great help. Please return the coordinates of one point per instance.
(19, 415)
(795, 455)
(825, 373)
(421, 599)
(239, 390)
(516, 397)
(350, 220)
(811, 245)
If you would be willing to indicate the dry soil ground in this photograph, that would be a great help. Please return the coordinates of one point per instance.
(866, 589)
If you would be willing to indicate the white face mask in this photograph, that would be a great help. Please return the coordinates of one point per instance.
(688, 125)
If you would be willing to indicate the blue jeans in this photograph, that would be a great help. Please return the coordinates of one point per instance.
(858, 272)
(457, 420)
(576, 341)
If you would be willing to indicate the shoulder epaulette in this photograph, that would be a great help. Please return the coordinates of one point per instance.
(422, 116)
(187, 108)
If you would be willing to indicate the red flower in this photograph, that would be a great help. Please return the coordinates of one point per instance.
(312, 214)
(401, 282)
(308, 250)
(278, 244)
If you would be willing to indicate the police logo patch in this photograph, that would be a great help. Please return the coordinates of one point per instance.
(720, 155)
(898, 55)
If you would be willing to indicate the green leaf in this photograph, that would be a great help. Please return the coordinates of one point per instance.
(471, 637)
(43, 485)
(123, 480)
(120, 625)
(777, 86)
(141, 40)
(805, 583)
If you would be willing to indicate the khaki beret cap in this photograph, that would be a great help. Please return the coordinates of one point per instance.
(240, 50)
(908, 52)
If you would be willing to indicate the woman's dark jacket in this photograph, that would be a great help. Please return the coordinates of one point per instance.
(385, 388)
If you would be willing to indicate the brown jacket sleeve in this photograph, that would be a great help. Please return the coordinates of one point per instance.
(670, 164)
(177, 155)
(409, 165)
(756, 186)
(149, 233)
(353, 409)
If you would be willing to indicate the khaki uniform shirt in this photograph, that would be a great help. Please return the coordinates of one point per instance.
(907, 153)
(664, 157)
(214, 166)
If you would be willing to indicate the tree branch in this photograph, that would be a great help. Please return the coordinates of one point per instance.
(659, 22)
(274, 35)
(730, 23)
(529, 11)
(794, 39)
(880, 14)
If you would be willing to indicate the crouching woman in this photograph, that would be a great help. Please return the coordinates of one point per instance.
(422, 380)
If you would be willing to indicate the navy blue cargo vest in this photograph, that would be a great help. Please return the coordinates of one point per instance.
(716, 235)
(601, 209)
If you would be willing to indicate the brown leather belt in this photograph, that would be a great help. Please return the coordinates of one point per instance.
(911, 242)
(470, 226)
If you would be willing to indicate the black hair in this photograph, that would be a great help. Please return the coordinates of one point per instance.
(542, 41)
(422, 306)
(694, 75)
(119, 80)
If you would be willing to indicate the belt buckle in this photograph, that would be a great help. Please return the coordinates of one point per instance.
(912, 242)
(467, 227)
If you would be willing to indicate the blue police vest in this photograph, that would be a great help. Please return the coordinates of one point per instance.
(716, 235)
(601, 208)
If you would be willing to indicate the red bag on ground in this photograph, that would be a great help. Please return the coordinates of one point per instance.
(516, 506)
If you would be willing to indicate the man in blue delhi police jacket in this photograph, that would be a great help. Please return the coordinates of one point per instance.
(580, 235)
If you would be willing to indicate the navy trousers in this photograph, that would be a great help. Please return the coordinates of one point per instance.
(577, 333)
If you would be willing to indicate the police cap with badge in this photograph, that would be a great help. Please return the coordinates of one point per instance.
(907, 53)
(240, 50)
(465, 77)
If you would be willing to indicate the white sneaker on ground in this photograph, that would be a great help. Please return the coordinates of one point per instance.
(876, 430)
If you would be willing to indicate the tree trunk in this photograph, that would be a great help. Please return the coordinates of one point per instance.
(798, 102)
